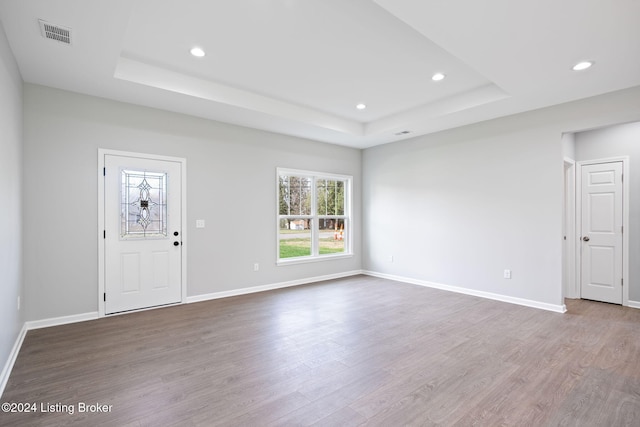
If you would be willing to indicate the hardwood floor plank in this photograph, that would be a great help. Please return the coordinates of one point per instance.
(342, 418)
(262, 415)
(347, 352)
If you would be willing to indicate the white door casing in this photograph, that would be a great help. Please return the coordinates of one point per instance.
(571, 286)
(602, 232)
(142, 254)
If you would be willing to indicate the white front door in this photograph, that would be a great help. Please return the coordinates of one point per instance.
(601, 226)
(142, 233)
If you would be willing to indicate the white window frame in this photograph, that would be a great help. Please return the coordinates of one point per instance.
(347, 217)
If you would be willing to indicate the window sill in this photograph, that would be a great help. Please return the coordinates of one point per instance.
(305, 260)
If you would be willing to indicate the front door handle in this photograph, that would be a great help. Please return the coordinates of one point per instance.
(585, 238)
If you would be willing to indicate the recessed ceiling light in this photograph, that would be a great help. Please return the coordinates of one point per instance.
(197, 52)
(361, 106)
(437, 77)
(582, 65)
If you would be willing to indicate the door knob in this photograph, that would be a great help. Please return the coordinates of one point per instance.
(176, 243)
(175, 233)
(585, 238)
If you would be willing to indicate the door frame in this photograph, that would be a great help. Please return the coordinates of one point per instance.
(570, 285)
(102, 152)
(625, 222)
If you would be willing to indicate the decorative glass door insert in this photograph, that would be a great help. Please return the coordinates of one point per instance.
(143, 204)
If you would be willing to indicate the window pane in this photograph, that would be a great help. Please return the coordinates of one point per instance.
(143, 207)
(295, 237)
(332, 236)
(294, 195)
(330, 197)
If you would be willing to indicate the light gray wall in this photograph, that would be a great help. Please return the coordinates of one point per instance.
(461, 206)
(231, 185)
(11, 319)
(457, 207)
(620, 140)
(569, 145)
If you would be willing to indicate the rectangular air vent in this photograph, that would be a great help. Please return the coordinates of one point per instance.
(55, 32)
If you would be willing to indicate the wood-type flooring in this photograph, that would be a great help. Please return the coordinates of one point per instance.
(348, 352)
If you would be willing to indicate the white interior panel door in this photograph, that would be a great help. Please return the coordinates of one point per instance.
(143, 236)
(601, 277)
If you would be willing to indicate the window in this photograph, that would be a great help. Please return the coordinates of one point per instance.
(314, 215)
(143, 205)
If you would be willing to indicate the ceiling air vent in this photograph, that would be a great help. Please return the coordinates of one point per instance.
(55, 32)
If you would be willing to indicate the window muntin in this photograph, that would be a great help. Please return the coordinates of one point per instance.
(313, 215)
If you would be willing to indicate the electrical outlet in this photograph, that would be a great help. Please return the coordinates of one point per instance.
(256, 267)
(507, 274)
(199, 223)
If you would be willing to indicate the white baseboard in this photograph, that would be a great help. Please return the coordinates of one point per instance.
(497, 297)
(270, 287)
(57, 321)
(634, 304)
(6, 371)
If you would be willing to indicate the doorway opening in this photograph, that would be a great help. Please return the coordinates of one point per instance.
(595, 230)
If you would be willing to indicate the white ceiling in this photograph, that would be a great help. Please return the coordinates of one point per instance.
(299, 67)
